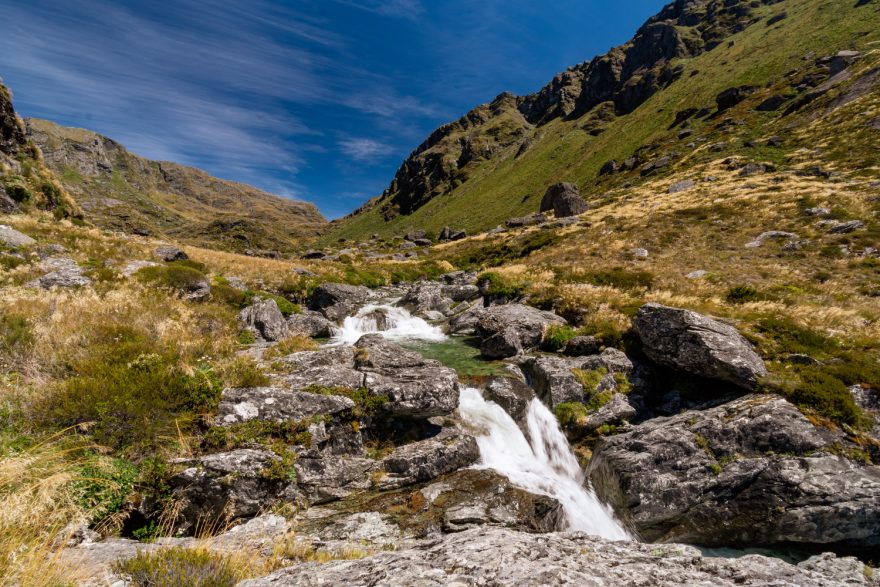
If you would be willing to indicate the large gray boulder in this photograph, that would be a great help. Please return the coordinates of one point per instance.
(277, 405)
(507, 330)
(63, 273)
(564, 199)
(327, 367)
(264, 319)
(505, 557)
(426, 297)
(554, 381)
(415, 387)
(9, 237)
(324, 478)
(698, 345)
(310, 323)
(170, 253)
(752, 471)
(219, 488)
(448, 451)
(338, 300)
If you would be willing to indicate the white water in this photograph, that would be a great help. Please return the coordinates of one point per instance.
(402, 325)
(545, 466)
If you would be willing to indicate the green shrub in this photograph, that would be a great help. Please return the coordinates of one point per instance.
(148, 533)
(741, 294)
(176, 276)
(9, 262)
(102, 486)
(130, 397)
(177, 566)
(243, 372)
(498, 286)
(289, 432)
(224, 294)
(570, 413)
(557, 336)
(826, 395)
(287, 307)
(362, 276)
(621, 278)
(246, 337)
(16, 336)
(366, 404)
(789, 337)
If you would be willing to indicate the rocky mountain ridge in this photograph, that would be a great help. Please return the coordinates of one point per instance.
(123, 191)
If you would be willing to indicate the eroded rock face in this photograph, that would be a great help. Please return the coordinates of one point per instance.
(277, 405)
(752, 471)
(338, 300)
(499, 556)
(509, 329)
(221, 487)
(697, 345)
(564, 199)
(265, 320)
(415, 387)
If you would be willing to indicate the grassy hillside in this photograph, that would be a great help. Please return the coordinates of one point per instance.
(122, 191)
(775, 57)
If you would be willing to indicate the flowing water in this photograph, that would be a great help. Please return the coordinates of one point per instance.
(545, 466)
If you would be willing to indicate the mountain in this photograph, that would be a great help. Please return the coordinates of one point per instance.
(119, 190)
(771, 62)
(25, 182)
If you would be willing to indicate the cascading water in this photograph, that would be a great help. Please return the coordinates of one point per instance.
(545, 466)
(399, 323)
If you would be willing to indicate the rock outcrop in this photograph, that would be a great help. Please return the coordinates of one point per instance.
(508, 330)
(698, 345)
(338, 300)
(564, 200)
(498, 556)
(265, 320)
(752, 471)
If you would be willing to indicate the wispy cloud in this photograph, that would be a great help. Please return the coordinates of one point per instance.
(411, 9)
(364, 150)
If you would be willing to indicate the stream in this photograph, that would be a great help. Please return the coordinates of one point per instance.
(543, 464)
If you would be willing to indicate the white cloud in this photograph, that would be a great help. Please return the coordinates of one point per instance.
(364, 150)
(410, 9)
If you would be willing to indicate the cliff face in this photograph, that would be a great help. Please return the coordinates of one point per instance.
(123, 191)
(621, 80)
(25, 182)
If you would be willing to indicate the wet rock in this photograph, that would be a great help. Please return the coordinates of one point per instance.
(582, 345)
(500, 556)
(415, 387)
(681, 186)
(752, 471)
(338, 300)
(697, 345)
(221, 487)
(63, 273)
(169, 253)
(511, 394)
(274, 404)
(9, 237)
(552, 379)
(450, 450)
(310, 323)
(507, 330)
(564, 200)
(264, 319)
(733, 96)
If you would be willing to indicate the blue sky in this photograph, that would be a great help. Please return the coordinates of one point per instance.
(313, 99)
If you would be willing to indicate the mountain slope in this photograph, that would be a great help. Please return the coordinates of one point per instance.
(630, 105)
(122, 191)
(25, 182)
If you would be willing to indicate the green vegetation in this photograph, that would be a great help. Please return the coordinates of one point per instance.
(470, 256)
(102, 486)
(461, 354)
(173, 567)
(496, 285)
(177, 276)
(557, 336)
(366, 404)
(569, 414)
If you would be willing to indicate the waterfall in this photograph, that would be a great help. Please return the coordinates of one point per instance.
(399, 324)
(546, 466)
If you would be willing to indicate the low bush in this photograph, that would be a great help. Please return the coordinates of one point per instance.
(557, 336)
(242, 372)
(497, 285)
(366, 404)
(789, 337)
(102, 485)
(176, 276)
(621, 278)
(290, 345)
(741, 294)
(173, 567)
(289, 432)
(570, 413)
(826, 395)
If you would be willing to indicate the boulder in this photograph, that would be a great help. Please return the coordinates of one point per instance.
(426, 297)
(752, 169)
(552, 379)
(327, 367)
(507, 330)
(772, 104)
(421, 461)
(753, 471)
(511, 394)
(7, 204)
(465, 322)
(461, 293)
(414, 235)
(338, 300)
(846, 227)
(222, 487)
(275, 404)
(564, 200)
(768, 235)
(415, 387)
(13, 239)
(310, 323)
(698, 345)
(523, 221)
(733, 96)
(322, 479)
(314, 255)
(503, 556)
(655, 165)
(133, 267)
(448, 234)
(63, 272)
(582, 345)
(264, 319)
(616, 411)
(458, 278)
(169, 253)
